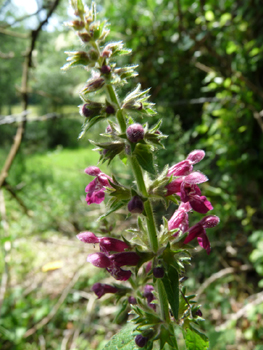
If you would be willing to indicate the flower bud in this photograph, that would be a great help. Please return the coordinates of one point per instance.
(77, 25)
(135, 133)
(85, 37)
(135, 205)
(100, 289)
(108, 129)
(105, 69)
(198, 313)
(158, 272)
(141, 341)
(132, 300)
(110, 110)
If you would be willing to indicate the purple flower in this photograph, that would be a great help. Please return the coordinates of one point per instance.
(114, 262)
(107, 244)
(100, 289)
(198, 231)
(180, 219)
(96, 188)
(185, 167)
(186, 187)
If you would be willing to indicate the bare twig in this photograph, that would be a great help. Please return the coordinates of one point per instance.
(12, 191)
(24, 92)
(22, 18)
(219, 275)
(7, 55)
(258, 299)
(15, 34)
(55, 308)
(9, 119)
(6, 250)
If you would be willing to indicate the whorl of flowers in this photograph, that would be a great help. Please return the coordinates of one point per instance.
(153, 256)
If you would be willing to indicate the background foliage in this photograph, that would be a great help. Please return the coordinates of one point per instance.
(204, 62)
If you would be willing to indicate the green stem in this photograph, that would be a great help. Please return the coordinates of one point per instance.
(163, 301)
(137, 171)
(152, 232)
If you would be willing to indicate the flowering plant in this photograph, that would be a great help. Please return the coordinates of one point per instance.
(153, 261)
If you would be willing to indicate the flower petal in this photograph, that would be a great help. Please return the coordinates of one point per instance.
(182, 168)
(210, 221)
(196, 156)
(194, 231)
(195, 178)
(92, 170)
(204, 242)
(99, 260)
(200, 204)
(88, 237)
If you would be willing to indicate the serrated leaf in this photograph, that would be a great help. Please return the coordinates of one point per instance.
(171, 285)
(88, 124)
(114, 206)
(144, 157)
(194, 339)
(124, 340)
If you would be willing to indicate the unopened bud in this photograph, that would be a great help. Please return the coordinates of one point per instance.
(132, 300)
(77, 25)
(105, 69)
(199, 313)
(135, 205)
(158, 272)
(141, 341)
(110, 110)
(135, 133)
(85, 37)
(108, 129)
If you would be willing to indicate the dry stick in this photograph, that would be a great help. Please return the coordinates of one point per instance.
(242, 312)
(6, 250)
(11, 190)
(219, 275)
(25, 77)
(55, 308)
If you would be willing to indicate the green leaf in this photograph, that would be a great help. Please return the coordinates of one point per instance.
(88, 124)
(194, 339)
(144, 157)
(124, 340)
(115, 205)
(171, 286)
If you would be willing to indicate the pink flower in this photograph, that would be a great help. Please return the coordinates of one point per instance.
(107, 244)
(180, 219)
(114, 262)
(186, 166)
(96, 188)
(198, 231)
(186, 187)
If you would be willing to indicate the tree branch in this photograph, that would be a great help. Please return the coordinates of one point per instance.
(24, 91)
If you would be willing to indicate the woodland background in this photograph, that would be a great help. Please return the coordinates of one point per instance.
(203, 60)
